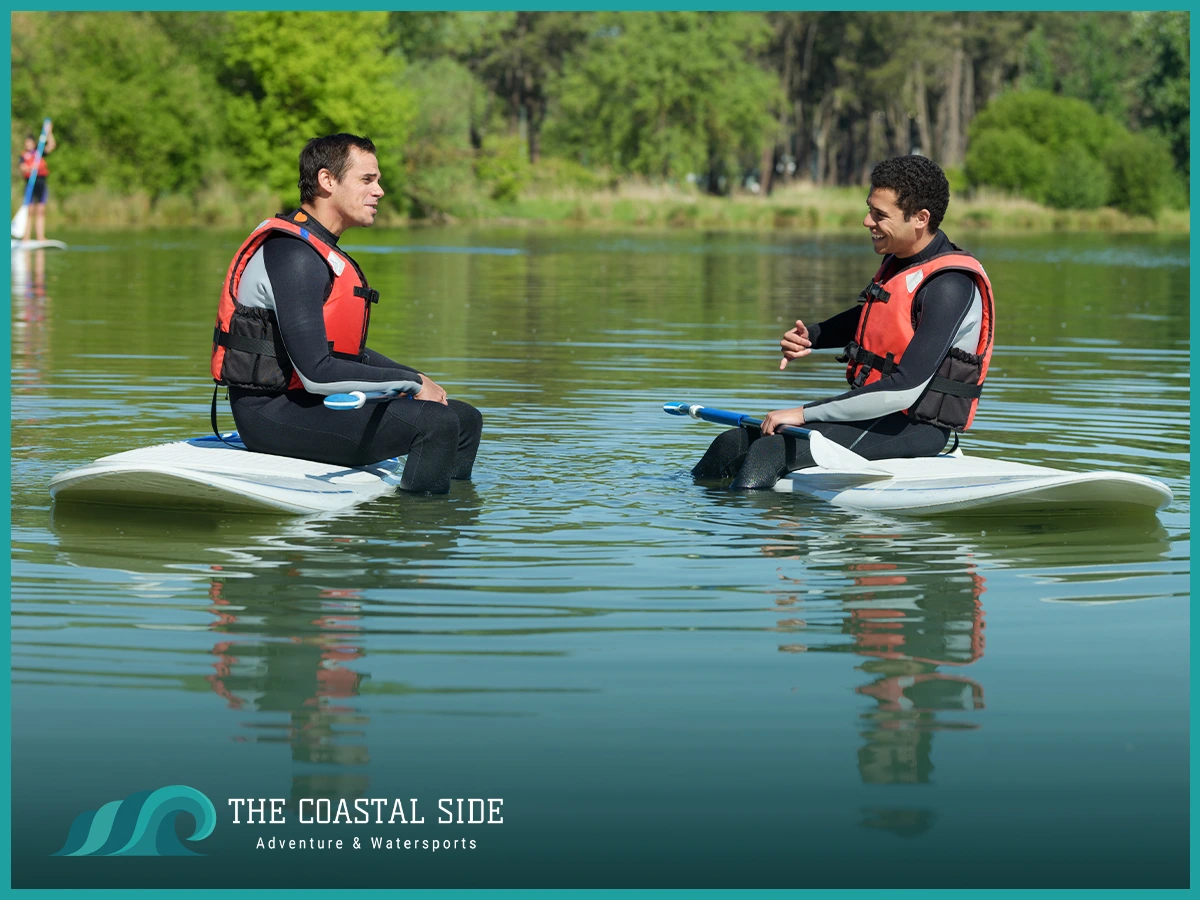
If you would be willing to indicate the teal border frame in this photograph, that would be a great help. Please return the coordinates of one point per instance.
(534, 5)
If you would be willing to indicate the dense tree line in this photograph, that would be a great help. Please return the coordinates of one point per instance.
(1071, 109)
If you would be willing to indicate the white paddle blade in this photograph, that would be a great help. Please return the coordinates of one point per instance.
(829, 455)
(20, 220)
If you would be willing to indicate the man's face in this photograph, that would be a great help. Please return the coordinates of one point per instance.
(30, 145)
(356, 195)
(890, 231)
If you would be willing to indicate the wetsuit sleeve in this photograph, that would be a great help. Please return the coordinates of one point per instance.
(300, 282)
(836, 331)
(947, 305)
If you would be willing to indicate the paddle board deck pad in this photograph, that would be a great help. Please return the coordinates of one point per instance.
(954, 484)
(205, 473)
(38, 245)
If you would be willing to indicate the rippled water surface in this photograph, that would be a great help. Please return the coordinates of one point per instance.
(668, 684)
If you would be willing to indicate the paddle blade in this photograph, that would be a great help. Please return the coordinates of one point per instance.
(353, 400)
(359, 399)
(20, 220)
(829, 455)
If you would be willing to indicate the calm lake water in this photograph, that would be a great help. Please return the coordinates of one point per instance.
(667, 684)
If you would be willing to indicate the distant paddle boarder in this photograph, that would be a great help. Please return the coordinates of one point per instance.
(916, 350)
(30, 162)
(292, 328)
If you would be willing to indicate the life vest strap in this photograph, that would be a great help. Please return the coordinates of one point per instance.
(241, 342)
(874, 291)
(955, 388)
(855, 353)
(369, 294)
(213, 417)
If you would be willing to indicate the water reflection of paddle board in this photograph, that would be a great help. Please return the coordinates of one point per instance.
(205, 473)
(37, 245)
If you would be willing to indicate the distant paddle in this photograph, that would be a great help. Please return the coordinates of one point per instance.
(21, 219)
(825, 453)
(359, 399)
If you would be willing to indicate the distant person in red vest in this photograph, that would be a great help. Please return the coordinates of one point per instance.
(40, 193)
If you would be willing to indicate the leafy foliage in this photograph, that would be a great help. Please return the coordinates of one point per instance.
(666, 94)
(1008, 159)
(195, 108)
(1163, 88)
(129, 112)
(294, 76)
(1141, 173)
(1076, 180)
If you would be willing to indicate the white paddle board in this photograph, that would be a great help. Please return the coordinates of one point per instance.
(38, 245)
(205, 473)
(954, 484)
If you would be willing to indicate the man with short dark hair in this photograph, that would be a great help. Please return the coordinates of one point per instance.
(292, 328)
(917, 350)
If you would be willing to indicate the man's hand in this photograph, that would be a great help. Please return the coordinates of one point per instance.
(794, 344)
(431, 390)
(779, 417)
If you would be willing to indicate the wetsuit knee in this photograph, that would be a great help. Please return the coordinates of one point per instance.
(765, 462)
(470, 429)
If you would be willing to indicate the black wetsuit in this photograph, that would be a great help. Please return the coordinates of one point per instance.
(870, 420)
(440, 441)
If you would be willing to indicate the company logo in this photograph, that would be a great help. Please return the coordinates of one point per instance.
(912, 280)
(143, 824)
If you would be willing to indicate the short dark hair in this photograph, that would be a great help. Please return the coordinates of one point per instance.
(331, 152)
(919, 184)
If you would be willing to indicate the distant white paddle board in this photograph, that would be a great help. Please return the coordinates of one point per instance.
(38, 245)
(953, 484)
(205, 473)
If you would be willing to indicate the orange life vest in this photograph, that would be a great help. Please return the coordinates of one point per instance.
(27, 163)
(885, 329)
(248, 351)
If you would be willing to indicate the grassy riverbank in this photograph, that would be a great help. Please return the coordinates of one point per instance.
(798, 207)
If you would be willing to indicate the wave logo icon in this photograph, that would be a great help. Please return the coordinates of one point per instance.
(143, 824)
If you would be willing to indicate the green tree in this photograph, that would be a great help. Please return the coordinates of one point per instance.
(1141, 173)
(665, 94)
(1077, 180)
(297, 75)
(132, 110)
(1163, 88)
(517, 55)
(1008, 159)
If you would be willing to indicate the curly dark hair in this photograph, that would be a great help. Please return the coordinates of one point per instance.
(919, 184)
(331, 152)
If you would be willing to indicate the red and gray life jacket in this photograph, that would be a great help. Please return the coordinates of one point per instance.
(248, 351)
(886, 326)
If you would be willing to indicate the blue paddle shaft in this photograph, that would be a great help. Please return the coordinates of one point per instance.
(37, 158)
(725, 417)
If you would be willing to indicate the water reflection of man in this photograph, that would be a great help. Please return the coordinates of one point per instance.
(907, 628)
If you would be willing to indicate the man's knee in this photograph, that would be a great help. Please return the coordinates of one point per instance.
(469, 418)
